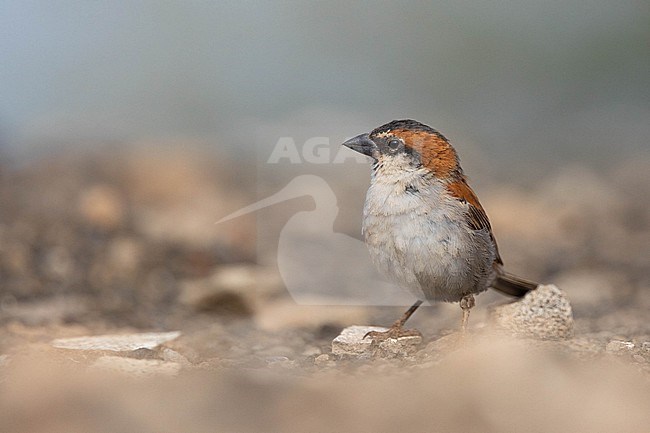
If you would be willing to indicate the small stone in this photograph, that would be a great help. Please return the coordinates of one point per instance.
(322, 360)
(280, 361)
(638, 358)
(117, 343)
(645, 346)
(170, 355)
(273, 359)
(229, 290)
(619, 346)
(136, 367)
(544, 313)
(350, 342)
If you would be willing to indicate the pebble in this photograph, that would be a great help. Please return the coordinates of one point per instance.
(280, 361)
(228, 290)
(645, 346)
(322, 360)
(274, 359)
(619, 346)
(544, 313)
(350, 342)
(170, 355)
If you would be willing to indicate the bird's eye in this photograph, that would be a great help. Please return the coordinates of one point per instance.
(394, 144)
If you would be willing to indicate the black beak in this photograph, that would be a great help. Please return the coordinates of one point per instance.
(362, 144)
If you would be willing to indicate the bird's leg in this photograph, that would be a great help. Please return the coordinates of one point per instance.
(397, 330)
(466, 304)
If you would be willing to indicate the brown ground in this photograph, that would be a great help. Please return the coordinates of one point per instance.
(108, 242)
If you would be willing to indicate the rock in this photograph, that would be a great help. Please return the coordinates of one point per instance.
(281, 362)
(646, 346)
(619, 346)
(544, 313)
(170, 355)
(136, 367)
(322, 360)
(230, 290)
(350, 342)
(116, 343)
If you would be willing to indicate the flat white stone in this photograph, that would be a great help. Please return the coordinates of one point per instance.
(117, 343)
(350, 342)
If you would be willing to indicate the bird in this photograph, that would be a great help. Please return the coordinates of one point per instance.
(424, 226)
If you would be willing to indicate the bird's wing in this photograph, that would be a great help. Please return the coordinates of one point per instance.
(476, 216)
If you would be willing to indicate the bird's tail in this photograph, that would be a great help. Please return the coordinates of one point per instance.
(512, 285)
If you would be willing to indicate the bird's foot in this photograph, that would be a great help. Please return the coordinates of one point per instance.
(466, 304)
(394, 332)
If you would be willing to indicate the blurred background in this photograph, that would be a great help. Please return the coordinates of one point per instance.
(553, 81)
(127, 129)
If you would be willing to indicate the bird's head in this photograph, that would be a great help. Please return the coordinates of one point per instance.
(408, 145)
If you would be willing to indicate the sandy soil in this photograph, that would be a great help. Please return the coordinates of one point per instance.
(109, 242)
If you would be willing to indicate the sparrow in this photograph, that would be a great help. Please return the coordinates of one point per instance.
(423, 225)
